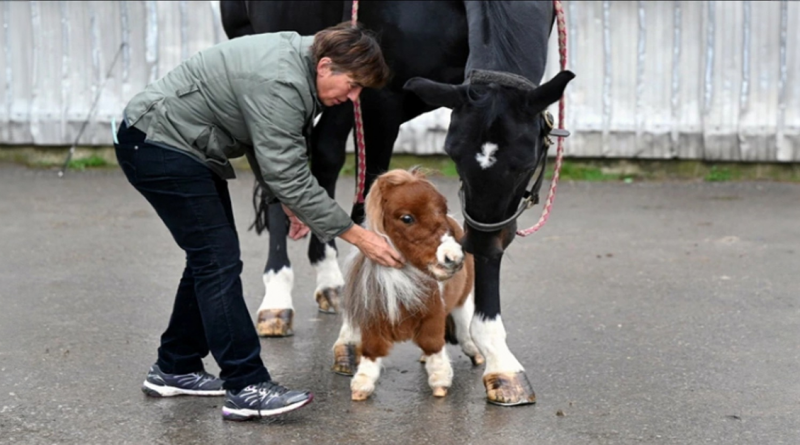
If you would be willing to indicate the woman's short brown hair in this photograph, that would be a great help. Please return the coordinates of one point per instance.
(352, 50)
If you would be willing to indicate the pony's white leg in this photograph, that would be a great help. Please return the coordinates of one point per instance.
(440, 372)
(347, 349)
(504, 376)
(363, 383)
(462, 316)
(276, 313)
(329, 282)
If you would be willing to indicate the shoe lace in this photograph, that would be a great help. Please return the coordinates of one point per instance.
(198, 378)
(203, 377)
(270, 389)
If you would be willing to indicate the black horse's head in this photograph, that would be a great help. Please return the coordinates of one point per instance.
(496, 139)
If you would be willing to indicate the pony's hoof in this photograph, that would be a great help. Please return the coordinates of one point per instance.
(361, 387)
(439, 391)
(345, 359)
(477, 360)
(328, 300)
(423, 358)
(508, 389)
(359, 396)
(275, 323)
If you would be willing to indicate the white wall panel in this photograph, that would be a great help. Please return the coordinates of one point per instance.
(715, 80)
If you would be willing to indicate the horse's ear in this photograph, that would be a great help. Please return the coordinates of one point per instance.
(437, 94)
(550, 92)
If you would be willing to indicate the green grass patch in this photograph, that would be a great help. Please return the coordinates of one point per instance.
(571, 171)
(719, 174)
(623, 170)
(92, 161)
(435, 165)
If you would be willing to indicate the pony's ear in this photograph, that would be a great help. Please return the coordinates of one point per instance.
(550, 92)
(437, 94)
(418, 172)
(373, 211)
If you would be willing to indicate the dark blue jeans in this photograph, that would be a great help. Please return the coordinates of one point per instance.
(209, 313)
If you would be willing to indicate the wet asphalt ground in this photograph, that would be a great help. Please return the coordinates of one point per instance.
(644, 313)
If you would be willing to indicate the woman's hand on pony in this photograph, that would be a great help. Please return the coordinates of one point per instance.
(373, 246)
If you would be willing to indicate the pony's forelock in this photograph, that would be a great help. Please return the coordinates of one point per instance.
(374, 199)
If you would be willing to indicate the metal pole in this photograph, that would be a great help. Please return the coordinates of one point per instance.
(91, 112)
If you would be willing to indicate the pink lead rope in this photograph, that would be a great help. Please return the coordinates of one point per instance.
(359, 129)
(548, 205)
(562, 50)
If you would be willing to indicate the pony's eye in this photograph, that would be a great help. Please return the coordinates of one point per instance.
(407, 219)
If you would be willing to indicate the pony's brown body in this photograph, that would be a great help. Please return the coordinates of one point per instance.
(425, 326)
(387, 305)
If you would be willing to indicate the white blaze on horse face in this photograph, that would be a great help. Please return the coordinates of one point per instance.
(329, 276)
(486, 158)
(278, 289)
(490, 336)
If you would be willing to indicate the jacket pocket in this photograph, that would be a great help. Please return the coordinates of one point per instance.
(140, 106)
(215, 144)
(188, 89)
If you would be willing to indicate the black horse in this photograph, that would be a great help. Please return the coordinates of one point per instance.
(483, 60)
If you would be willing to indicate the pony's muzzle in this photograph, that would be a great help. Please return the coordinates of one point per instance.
(450, 259)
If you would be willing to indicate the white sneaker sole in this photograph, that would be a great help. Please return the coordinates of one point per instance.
(247, 414)
(171, 391)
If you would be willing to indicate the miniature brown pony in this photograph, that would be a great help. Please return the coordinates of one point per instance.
(389, 305)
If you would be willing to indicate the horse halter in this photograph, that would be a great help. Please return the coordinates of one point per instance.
(531, 196)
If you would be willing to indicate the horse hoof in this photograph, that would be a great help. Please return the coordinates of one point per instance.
(508, 389)
(477, 360)
(359, 396)
(328, 300)
(439, 391)
(345, 359)
(275, 323)
(423, 358)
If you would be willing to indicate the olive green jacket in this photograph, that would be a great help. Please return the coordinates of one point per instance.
(252, 96)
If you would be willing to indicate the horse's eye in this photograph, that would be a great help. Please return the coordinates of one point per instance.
(407, 219)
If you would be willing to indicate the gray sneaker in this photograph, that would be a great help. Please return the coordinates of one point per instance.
(161, 384)
(263, 400)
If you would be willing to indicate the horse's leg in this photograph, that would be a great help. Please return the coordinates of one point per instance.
(347, 349)
(504, 377)
(328, 142)
(430, 338)
(462, 317)
(235, 21)
(323, 258)
(276, 313)
(374, 347)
